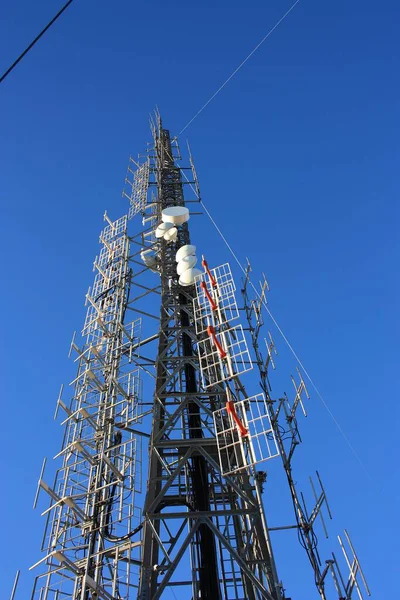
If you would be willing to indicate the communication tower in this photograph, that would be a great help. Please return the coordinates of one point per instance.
(160, 387)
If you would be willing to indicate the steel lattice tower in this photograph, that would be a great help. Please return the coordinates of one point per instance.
(160, 361)
(184, 469)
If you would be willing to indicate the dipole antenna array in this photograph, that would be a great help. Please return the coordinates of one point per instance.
(283, 416)
(162, 359)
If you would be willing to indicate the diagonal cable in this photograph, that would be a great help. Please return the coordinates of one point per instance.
(238, 68)
(37, 38)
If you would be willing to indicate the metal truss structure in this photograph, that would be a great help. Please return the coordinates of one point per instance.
(162, 362)
(92, 518)
(209, 524)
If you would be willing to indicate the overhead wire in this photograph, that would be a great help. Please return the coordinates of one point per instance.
(239, 67)
(37, 38)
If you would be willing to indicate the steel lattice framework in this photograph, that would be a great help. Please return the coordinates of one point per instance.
(162, 362)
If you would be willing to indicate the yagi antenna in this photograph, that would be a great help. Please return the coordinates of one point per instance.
(299, 389)
(320, 500)
(271, 349)
(354, 568)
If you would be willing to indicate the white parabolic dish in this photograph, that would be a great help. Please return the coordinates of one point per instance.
(186, 263)
(175, 214)
(188, 276)
(171, 234)
(162, 229)
(186, 250)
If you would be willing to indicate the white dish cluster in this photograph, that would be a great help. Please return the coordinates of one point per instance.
(167, 231)
(172, 217)
(186, 259)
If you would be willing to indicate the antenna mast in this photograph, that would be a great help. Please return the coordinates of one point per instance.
(161, 359)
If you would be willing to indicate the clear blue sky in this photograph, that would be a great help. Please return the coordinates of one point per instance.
(298, 162)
